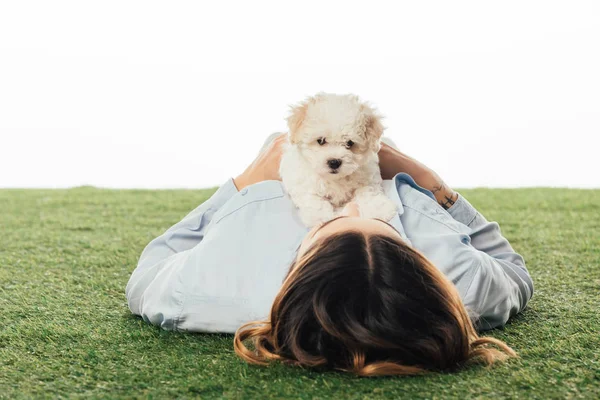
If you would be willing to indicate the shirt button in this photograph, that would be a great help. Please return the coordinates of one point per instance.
(244, 191)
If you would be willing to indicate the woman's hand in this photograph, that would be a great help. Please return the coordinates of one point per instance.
(266, 165)
(392, 161)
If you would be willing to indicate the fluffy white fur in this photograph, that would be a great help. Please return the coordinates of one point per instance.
(318, 190)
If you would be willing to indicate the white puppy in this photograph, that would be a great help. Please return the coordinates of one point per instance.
(331, 158)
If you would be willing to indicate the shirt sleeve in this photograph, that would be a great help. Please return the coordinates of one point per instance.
(150, 292)
(501, 285)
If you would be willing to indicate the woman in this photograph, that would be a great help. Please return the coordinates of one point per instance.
(367, 296)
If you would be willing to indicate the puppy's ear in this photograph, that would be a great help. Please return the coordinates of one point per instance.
(295, 120)
(297, 116)
(373, 127)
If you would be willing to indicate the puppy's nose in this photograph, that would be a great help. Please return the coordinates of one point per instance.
(334, 163)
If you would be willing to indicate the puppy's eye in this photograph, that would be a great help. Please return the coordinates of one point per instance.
(349, 144)
(321, 141)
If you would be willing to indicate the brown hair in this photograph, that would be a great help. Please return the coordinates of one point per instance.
(370, 305)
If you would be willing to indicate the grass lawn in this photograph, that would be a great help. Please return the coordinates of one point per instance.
(66, 256)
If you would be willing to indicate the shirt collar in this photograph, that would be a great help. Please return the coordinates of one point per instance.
(403, 177)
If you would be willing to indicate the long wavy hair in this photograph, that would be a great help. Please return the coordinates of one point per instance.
(369, 305)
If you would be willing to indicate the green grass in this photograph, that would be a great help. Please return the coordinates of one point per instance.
(66, 256)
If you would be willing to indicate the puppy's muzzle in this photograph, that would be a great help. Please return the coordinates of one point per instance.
(334, 164)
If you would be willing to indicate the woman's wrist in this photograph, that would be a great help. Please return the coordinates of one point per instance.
(393, 161)
(444, 195)
(241, 181)
(249, 177)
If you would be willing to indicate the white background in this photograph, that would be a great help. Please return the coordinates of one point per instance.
(182, 94)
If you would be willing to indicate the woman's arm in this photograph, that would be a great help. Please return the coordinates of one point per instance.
(176, 240)
(500, 285)
(152, 290)
(393, 161)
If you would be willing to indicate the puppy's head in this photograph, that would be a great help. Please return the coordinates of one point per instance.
(337, 134)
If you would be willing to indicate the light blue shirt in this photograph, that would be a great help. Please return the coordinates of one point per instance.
(223, 264)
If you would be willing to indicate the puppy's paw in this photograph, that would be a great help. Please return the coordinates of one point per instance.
(311, 218)
(377, 206)
(314, 210)
(387, 209)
